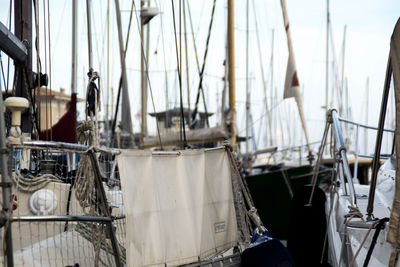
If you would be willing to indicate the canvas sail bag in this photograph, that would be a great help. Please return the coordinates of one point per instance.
(178, 205)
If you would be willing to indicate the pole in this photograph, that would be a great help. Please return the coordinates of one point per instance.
(89, 30)
(327, 58)
(231, 71)
(23, 30)
(74, 46)
(108, 68)
(126, 120)
(366, 118)
(143, 80)
(247, 77)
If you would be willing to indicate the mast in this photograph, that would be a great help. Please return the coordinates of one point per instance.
(143, 80)
(126, 120)
(327, 57)
(108, 68)
(74, 46)
(272, 88)
(89, 32)
(23, 30)
(247, 77)
(366, 117)
(231, 71)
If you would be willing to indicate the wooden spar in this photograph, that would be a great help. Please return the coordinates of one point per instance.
(231, 71)
(126, 120)
(297, 95)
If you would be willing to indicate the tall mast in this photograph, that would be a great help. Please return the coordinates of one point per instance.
(327, 57)
(89, 32)
(366, 117)
(126, 120)
(247, 77)
(231, 70)
(108, 66)
(272, 88)
(74, 46)
(23, 30)
(143, 80)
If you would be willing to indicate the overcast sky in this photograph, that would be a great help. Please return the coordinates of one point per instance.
(369, 27)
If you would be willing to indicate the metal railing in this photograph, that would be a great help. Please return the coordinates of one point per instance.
(341, 163)
(356, 149)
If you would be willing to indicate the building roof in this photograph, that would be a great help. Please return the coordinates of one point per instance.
(58, 95)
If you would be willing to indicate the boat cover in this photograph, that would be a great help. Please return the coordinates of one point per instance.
(179, 205)
(393, 235)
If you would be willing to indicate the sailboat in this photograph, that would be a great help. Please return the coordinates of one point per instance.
(271, 181)
(362, 220)
(168, 208)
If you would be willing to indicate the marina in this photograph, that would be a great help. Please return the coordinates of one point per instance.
(179, 138)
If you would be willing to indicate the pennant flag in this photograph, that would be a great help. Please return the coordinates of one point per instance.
(292, 81)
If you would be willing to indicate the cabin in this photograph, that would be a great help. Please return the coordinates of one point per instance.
(169, 121)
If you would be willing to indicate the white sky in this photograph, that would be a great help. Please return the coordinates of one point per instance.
(369, 27)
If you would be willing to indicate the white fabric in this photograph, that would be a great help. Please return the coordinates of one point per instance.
(178, 205)
(393, 236)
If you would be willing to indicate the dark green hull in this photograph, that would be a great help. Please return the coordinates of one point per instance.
(272, 196)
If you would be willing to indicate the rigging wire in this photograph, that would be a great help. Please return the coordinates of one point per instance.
(200, 87)
(147, 74)
(183, 132)
(2, 72)
(196, 54)
(264, 82)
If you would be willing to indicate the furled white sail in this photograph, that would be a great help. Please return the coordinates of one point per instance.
(292, 88)
(393, 236)
(291, 81)
(178, 206)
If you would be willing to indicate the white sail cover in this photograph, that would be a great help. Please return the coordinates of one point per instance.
(393, 235)
(178, 205)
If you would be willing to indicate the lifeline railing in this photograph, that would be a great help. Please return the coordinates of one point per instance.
(356, 149)
(341, 163)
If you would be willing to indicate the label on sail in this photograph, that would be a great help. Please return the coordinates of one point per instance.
(178, 206)
(291, 81)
